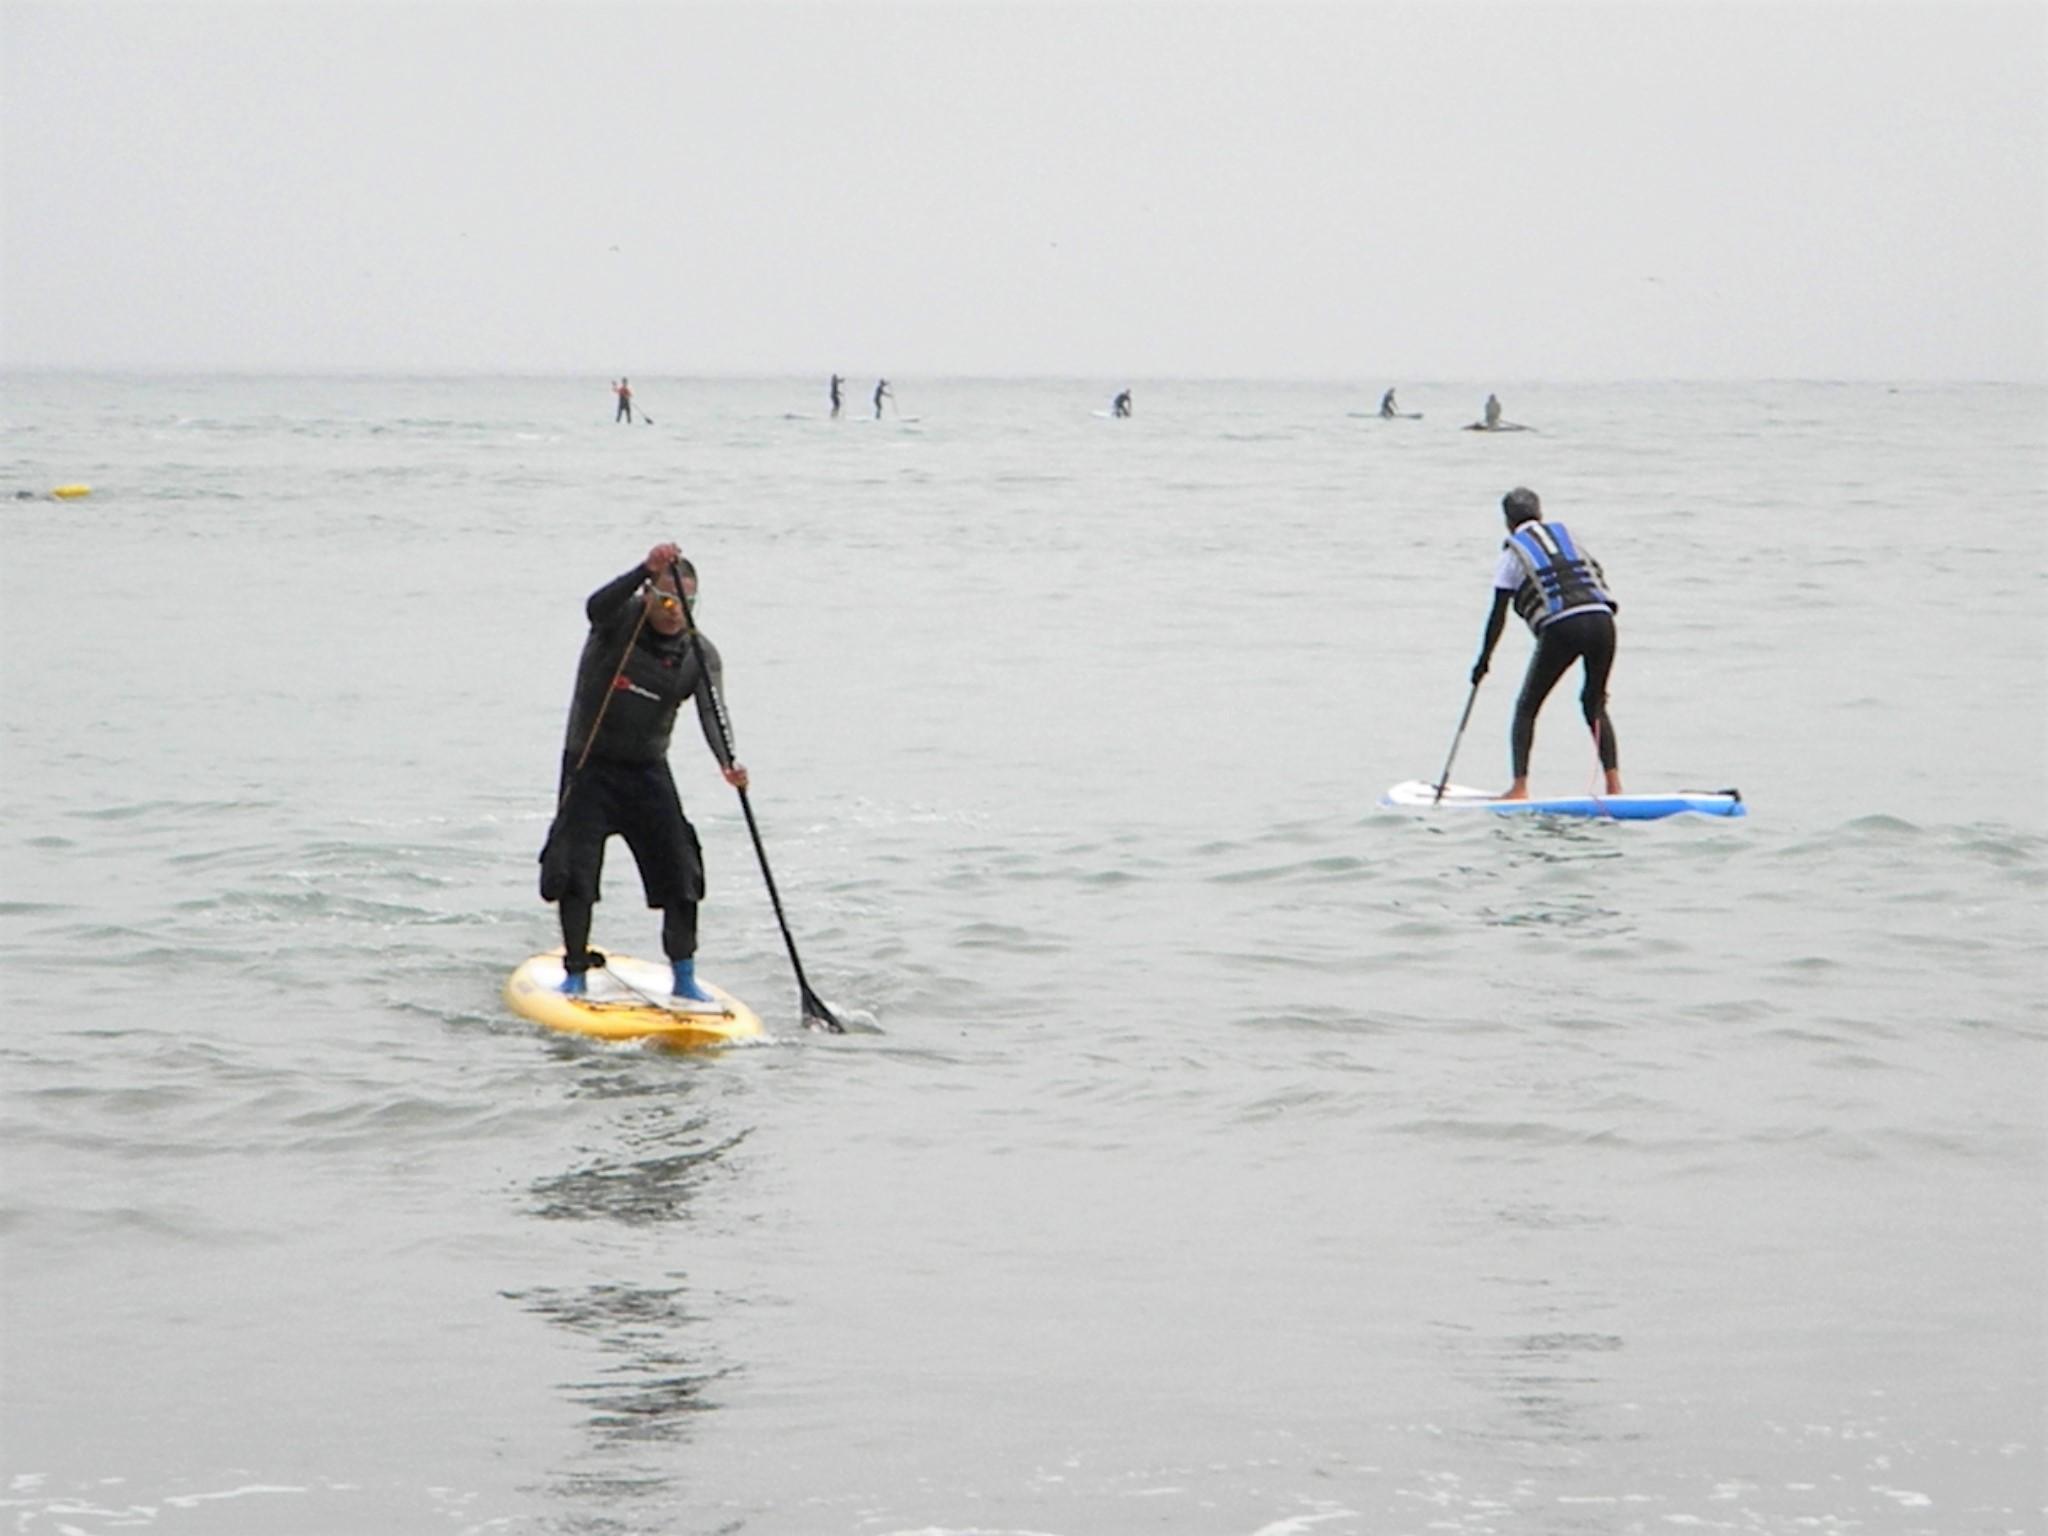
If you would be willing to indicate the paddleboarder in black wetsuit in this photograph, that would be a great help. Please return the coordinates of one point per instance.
(881, 394)
(639, 664)
(1561, 591)
(1121, 406)
(836, 382)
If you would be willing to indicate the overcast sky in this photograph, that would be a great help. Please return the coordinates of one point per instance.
(1440, 190)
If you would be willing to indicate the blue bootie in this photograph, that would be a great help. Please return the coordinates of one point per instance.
(686, 983)
(574, 985)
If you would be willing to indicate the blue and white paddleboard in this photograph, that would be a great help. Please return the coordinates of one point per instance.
(1418, 796)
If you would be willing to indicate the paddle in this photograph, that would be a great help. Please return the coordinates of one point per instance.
(589, 741)
(814, 1008)
(1464, 720)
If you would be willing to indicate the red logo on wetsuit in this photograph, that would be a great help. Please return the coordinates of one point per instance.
(624, 684)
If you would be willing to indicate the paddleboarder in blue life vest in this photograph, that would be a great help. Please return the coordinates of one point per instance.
(642, 659)
(1557, 586)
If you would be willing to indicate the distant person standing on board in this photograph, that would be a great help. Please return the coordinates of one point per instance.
(881, 394)
(836, 382)
(624, 390)
(1387, 404)
(1121, 406)
(1559, 588)
(639, 663)
(1492, 415)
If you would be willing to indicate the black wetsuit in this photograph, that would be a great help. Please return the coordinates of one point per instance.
(1587, 637)
(624, 786)
(1562, 594)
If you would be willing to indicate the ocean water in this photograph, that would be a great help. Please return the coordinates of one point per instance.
(1237, 1158)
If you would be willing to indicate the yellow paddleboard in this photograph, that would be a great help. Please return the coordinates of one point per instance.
(71, 492)
(628, 999)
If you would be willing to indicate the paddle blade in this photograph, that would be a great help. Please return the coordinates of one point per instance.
(818, 1016)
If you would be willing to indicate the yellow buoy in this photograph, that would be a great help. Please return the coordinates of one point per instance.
(71, 492)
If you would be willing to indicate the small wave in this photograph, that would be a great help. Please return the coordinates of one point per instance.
(138, 809)
(1012, 940)
(1326, 869)
(1530, 1133)
(1318, 1021)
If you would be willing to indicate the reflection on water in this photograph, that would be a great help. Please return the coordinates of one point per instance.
(1534, 1347)
(634, 1191)
(667, 1147)
(649, 1385)
(650, 1369)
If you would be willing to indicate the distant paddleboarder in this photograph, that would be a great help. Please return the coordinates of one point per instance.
(1560, 590)
(881, 394)
(623, 388)
(1491, 415)
(1121, 406)
(1387, 408)
(836, 402)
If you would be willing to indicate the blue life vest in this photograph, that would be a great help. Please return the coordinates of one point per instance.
(1557, 576)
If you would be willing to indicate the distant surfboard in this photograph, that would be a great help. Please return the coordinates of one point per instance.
(1498, 426)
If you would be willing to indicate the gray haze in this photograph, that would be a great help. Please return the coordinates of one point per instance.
(1384, 192)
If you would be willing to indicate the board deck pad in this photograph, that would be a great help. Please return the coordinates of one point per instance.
(1416, 795)
(628, 999)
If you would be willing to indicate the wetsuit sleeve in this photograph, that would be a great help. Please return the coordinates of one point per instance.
(610, 600)
(711, 714)
(1496, 620)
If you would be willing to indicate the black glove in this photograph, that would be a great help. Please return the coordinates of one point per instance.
(1478, 671)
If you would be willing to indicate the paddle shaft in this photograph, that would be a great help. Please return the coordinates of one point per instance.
(603, 704)
(1464, 720)
(813, 1006)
